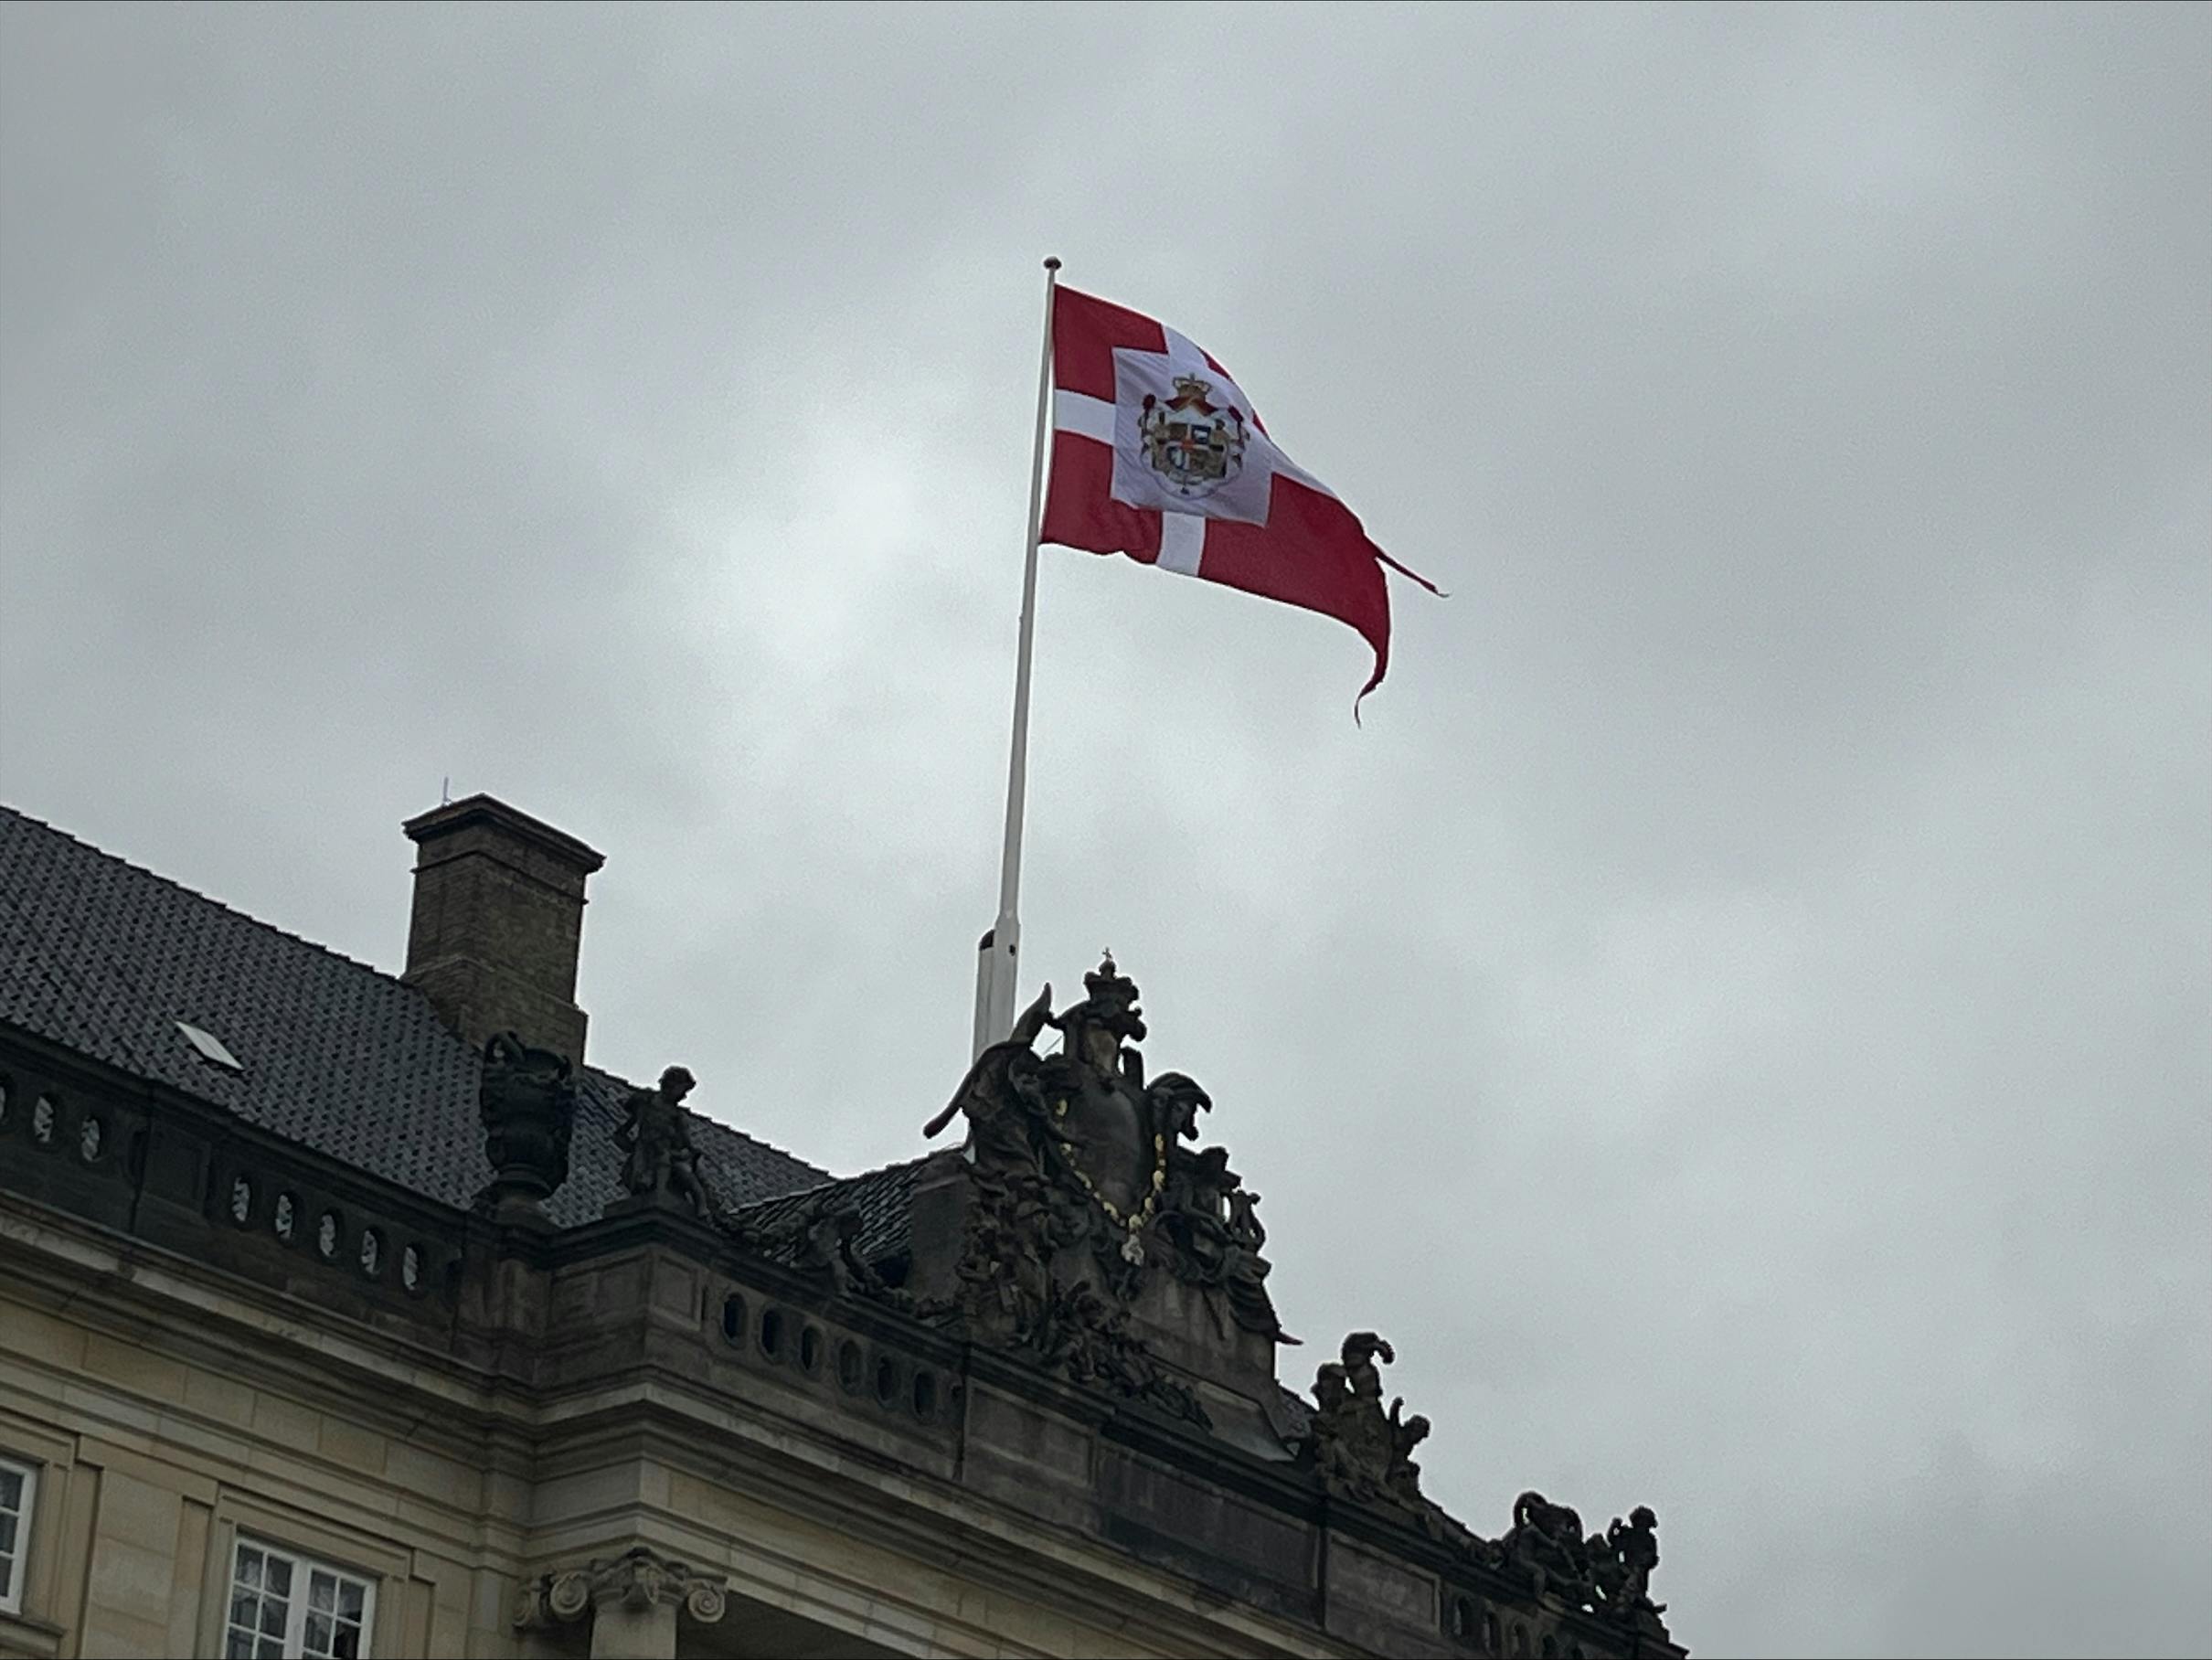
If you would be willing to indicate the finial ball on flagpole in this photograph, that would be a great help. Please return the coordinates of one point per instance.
(1052, 263)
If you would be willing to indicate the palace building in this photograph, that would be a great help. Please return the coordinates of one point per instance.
(351, 1313)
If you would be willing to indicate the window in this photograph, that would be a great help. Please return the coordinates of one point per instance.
(211, 1048)
(287, 1607)
(18, 1487)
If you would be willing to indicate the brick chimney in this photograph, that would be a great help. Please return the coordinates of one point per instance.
(499, 915)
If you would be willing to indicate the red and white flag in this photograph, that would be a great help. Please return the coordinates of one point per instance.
(1156, 454)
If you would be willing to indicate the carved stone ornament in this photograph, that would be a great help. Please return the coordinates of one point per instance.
(660, 1165)
(637, 1579)
(1083, 1188)
(528, 1101)
(1608, 1574)
(821, 1238)
(1363, 1454)
(1360, 1452)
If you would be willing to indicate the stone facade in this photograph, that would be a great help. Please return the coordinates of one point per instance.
(681, 1430)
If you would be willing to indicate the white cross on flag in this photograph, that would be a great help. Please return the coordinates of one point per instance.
(1157, 455)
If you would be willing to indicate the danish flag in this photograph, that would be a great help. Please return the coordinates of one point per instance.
(1157, 455)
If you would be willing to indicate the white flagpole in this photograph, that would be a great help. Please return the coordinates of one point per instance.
(995, 965)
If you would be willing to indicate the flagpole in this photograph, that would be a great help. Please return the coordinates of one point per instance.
(996, 962)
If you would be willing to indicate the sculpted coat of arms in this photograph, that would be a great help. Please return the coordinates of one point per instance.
(1083, 1188)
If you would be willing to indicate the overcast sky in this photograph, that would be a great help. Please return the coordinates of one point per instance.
(1736, 1014)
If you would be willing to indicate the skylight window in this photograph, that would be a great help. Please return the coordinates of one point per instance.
(209, 1045)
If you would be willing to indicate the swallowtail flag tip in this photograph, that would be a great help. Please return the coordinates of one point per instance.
(1158, 454)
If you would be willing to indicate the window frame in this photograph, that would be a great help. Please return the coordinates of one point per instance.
(304, 1566)
(26, 1512)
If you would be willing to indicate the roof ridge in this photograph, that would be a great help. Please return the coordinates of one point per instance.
(204, 898)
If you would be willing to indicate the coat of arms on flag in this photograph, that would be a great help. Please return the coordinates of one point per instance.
(1194, 444)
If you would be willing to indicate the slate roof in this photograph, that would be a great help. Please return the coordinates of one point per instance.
(884, 1198)
(104, 958)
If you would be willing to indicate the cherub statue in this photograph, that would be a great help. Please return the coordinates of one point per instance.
(658, 1133)
(1633, 1547)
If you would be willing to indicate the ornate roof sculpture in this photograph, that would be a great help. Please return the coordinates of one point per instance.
(1088, 1234)
(1365, 1455)
(1085, 1195)
(1095, 1241)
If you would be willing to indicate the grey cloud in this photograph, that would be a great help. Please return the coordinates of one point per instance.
(1735, 1013)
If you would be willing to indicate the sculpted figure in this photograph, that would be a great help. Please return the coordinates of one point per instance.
(1327, 1444)
(1175, 1101)
(1069, 1159)
(658, 1133)
(1632, 1549)
(1243, 1270)
(1360, 1370)
(1360, 1452)
(1404, 1477)
(1001, 1096)
(1547, 1541)
(1210, 1221)
(1244, 1218)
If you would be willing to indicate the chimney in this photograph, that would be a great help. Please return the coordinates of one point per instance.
(499, 914)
